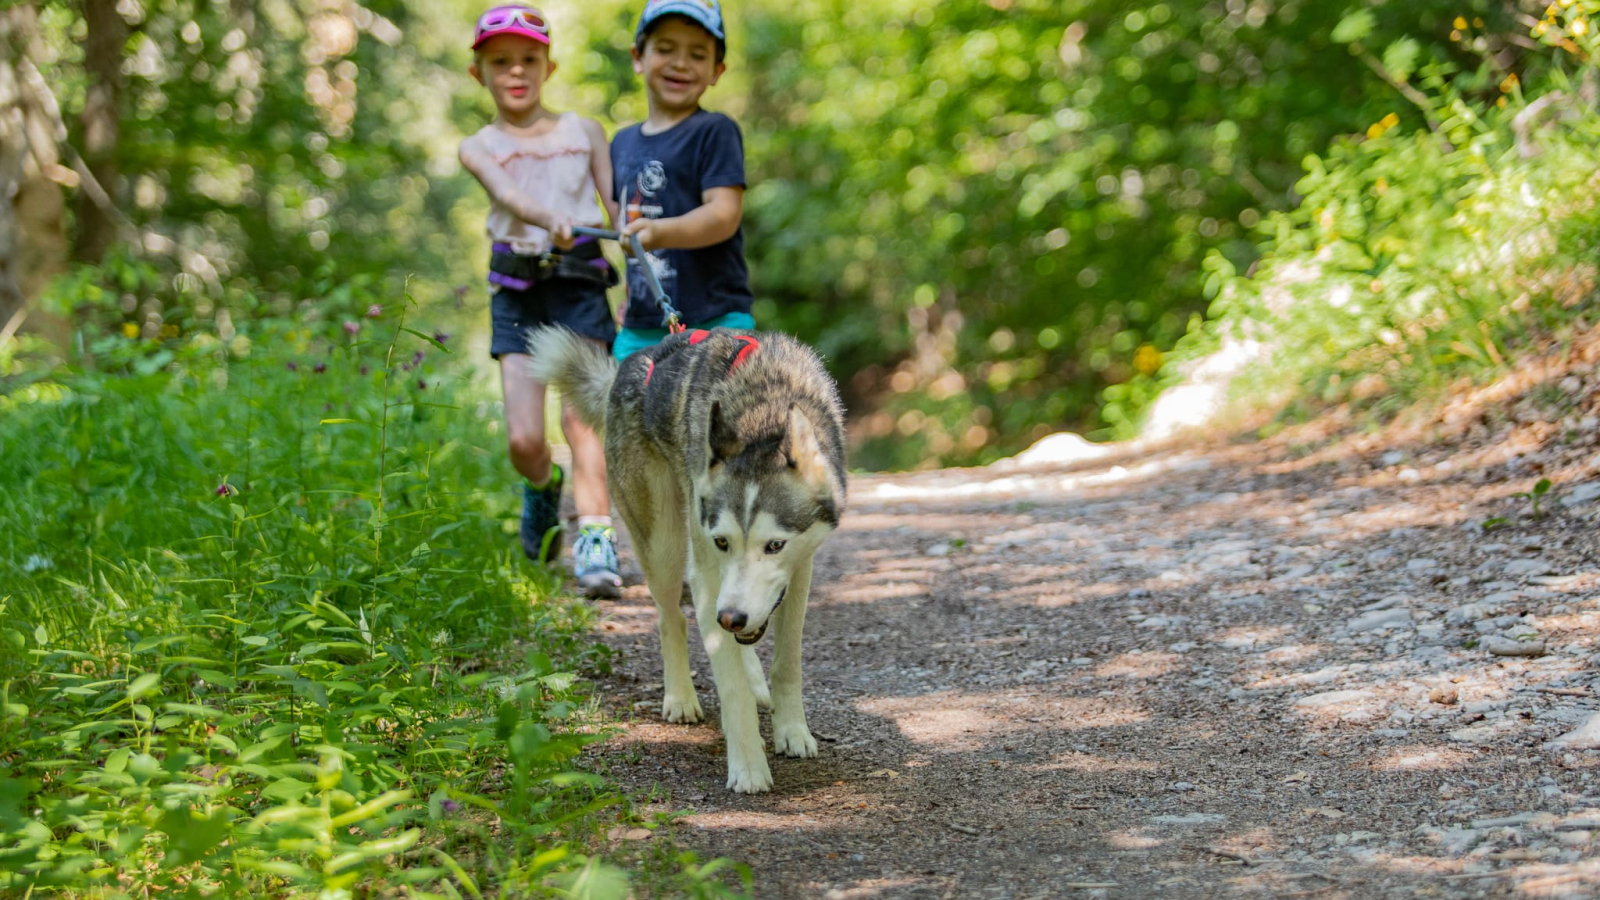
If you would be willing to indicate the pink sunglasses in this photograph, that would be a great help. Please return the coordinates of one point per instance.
(513, 19)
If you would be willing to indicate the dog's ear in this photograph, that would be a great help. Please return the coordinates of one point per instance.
(722, 440)
(803, 452)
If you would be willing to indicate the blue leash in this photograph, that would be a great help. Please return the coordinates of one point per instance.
(669, 314)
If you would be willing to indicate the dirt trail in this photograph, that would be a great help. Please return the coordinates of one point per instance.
(1177, 674)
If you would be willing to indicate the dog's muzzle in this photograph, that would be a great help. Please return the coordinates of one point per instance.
(733, 622)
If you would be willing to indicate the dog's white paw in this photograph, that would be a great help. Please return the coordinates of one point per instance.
(762, 694)
(754, 777)
(793, 739)
(681, 709)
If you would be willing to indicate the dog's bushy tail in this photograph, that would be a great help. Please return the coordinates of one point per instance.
(580, 369)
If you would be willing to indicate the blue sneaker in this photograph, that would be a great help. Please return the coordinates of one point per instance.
(541, 518)
(594, 562)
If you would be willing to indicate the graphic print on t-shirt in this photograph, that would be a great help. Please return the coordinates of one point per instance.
(640, 204)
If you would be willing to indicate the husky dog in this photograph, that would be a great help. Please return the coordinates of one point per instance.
(725, 455)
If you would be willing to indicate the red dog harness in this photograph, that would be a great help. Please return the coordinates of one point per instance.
(700, 334)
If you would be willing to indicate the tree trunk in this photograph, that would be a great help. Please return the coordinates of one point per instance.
(32, 208)
(102, 59)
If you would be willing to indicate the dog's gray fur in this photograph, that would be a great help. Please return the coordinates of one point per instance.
(735, 473)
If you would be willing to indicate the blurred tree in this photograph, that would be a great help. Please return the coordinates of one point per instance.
(987, 213)
(105, 44)
(32, 216)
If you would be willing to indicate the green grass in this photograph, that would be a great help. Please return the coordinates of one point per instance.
(265, 630)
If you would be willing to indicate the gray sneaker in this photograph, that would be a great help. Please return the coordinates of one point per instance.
(594, 562)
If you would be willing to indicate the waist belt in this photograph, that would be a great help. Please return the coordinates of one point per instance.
(520, 273)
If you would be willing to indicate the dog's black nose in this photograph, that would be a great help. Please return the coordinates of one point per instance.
(732, 620)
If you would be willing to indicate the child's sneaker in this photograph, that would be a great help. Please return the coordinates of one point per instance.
(594, 562)
(541, 518)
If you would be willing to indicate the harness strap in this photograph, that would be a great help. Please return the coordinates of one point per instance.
(750, 345)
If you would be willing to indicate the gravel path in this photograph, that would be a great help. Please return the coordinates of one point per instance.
(1265, 671)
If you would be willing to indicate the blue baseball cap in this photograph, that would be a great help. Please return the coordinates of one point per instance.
(705, 13)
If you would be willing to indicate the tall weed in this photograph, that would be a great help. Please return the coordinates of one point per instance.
(254, 591)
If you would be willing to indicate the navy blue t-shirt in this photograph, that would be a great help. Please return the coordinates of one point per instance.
(659, 176)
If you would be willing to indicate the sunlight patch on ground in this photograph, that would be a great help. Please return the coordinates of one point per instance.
(1135, 664)
(1074, 761)
(1422, 758)
(873, 887)
(1252, 637)
(750, 820)
(1293, 653)
(1133, 840)
(950, 722)
(1029, 486)
(1051, 595)
(631, 619)
(872, 593)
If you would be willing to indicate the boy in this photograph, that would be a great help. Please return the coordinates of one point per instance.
(680, 178)
(543, 172)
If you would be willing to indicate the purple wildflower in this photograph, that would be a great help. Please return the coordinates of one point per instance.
(449, 806)
(421, 385)
(352, 327)
(226, 490)
(319, 368)
(292, 366)
(416, 358)
(374, 311)
(364, 370)
(441, 336)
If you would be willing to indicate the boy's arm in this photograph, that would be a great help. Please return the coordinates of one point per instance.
(712, 222)
(600, 168)
(503, 189)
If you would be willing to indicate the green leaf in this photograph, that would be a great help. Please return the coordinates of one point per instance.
(117, 761)
(429, 338)
(144, 684)
(596, 881)
(191, 835)
(143, 767)
(1400, 58)
(1353, 27)
(286, 789)
(560, 682)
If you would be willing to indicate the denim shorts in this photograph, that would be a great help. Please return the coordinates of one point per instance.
(578, 305)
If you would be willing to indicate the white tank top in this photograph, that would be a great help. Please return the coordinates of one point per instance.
(554, 170)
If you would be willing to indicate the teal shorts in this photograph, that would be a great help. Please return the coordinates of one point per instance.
(632, 340)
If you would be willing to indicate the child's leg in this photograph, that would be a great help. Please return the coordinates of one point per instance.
(524, 397)
(594, 555)
(588, 465)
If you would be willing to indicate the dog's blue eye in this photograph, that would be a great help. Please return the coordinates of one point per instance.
(774, 546)
(722, 544)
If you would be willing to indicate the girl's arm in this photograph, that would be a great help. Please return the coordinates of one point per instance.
(503, 189)
(600, 168)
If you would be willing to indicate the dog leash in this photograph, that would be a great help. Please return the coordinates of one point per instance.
(669, 313)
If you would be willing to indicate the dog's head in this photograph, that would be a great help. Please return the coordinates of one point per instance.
(767, 499)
